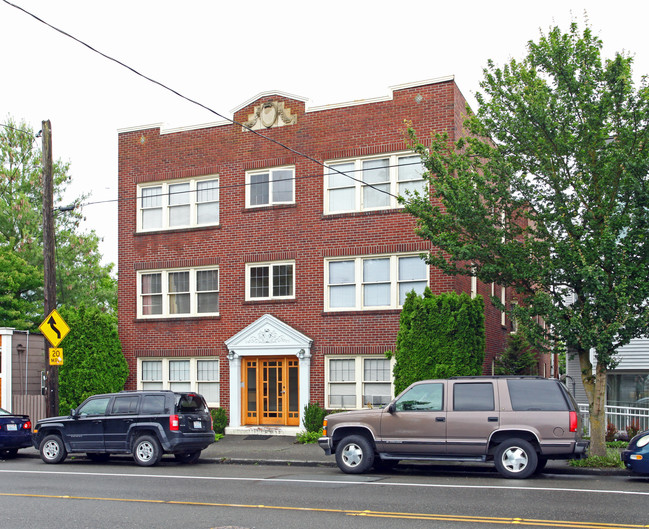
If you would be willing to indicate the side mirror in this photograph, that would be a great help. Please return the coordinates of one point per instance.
(391, 408)
(73, 413)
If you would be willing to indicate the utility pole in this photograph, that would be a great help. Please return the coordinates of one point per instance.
(49, 267)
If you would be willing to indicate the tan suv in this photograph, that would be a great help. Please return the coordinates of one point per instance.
(518, 422)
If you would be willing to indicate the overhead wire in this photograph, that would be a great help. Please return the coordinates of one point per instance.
(190, 100)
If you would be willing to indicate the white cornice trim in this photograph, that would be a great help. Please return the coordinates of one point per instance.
(265, 94)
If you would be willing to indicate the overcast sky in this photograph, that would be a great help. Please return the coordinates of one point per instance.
(224, 53)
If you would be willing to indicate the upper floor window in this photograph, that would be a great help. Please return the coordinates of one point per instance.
(270, 187)
(365, 283)
(372, 183)
(172, 205)
(270, 280)
(172, 293)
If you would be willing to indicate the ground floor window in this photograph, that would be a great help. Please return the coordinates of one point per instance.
(628, 389)
(181, 374)
(358, 381)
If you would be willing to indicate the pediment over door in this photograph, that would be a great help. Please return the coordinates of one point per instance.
(268, 335)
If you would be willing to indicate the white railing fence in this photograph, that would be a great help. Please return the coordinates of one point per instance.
(620, 416)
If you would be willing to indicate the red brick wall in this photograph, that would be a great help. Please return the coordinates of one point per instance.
(299, 231)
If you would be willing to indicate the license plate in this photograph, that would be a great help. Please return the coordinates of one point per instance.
(12, 427)
(198, 424)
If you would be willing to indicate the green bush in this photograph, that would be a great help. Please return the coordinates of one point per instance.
(439, 336)
(611, 460)
(313, 417)
(219, 419)
(308, 437)
(93, 361)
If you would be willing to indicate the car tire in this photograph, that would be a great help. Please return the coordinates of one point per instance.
(540, 465)
(52, 449)
(188, 458)
(354, 454)
(98, 457)
(516, 458)
(147, 451)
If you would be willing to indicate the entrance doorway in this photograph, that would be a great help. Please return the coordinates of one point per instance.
(270, 391)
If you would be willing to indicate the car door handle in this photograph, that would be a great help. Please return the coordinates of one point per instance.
(440, 419)
(492, 419)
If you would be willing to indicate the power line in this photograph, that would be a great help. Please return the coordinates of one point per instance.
(190, 100)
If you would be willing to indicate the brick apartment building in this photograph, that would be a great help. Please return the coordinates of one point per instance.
(265, 279)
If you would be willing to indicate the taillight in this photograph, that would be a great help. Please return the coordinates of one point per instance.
(27, 425)
(174, 423)
(211, 422)
(573, 421)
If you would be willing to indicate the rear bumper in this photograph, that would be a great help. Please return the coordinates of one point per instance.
(188, 442)
(15, 441)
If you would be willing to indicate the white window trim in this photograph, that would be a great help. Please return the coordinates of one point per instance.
(359, 381)
(165, 206)
(193, 304)
(193, 373)
(249, 174)
(358, 275)
(356, 182)
(268, 264)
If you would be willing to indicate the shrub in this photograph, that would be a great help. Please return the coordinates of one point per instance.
(308, 437)
(313, 417)
(632, 429)
(611, 430)
(220, 419)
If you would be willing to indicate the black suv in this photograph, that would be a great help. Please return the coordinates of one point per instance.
(145, 424)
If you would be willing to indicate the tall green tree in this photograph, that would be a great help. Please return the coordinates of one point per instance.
(518, 358)
(555, 202)
(80, 275)
(439, 336)
(19, 284)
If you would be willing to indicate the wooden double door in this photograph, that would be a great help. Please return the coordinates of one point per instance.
(270, 391)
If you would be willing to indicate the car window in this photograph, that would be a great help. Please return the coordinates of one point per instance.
(126, 404)
(153, 404)
(422, 397)
(539, 395)
(189, 403)
(94, 406)
(473, 396)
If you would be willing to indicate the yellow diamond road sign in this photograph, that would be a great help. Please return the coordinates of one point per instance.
(54, 328)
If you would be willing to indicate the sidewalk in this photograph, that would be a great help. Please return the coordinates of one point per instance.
(283, 450)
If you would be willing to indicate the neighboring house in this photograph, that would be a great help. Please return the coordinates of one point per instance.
(627, 384)
(22, 364)
(265, 281)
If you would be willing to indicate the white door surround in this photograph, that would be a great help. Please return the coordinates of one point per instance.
(268, 336)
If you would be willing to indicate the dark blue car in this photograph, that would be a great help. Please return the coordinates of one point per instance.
(636, 456)
(15, 433)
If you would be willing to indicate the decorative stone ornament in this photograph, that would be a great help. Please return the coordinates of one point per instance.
(270, 114)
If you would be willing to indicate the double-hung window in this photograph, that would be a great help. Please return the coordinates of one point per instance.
(172, 293)
(359, 381)
(175, 205)
(377, 282)
(181, 374)
(270, 187)
(371, 183)
(270, 280)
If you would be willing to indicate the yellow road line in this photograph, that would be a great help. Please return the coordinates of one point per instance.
(348, 512)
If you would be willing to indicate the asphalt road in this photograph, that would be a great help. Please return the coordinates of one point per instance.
(119, 494)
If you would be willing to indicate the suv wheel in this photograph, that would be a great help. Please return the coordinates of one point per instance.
(52, 449)
(188, 458)
(146, 451)
(354, 454)
(515, 458)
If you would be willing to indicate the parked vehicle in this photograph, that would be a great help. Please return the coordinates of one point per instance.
(145, 424)
(519, 423)
(636, 455)
(15, 433)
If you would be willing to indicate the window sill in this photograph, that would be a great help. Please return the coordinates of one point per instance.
(176, 230)
(366, 312)
(172, 319)
(347, 214)
(253, 209)
(268, 301)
